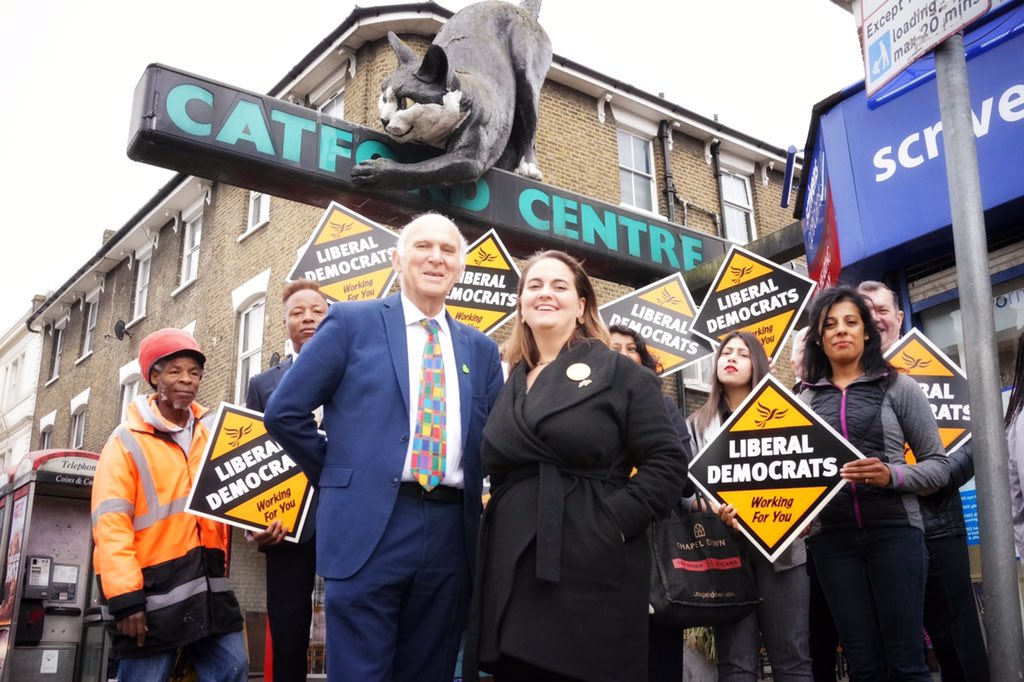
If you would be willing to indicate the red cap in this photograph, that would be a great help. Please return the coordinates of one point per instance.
(165, 343)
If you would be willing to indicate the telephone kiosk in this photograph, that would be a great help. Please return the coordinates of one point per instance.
(50, 629)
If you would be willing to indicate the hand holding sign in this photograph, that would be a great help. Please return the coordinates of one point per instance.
(869, 471)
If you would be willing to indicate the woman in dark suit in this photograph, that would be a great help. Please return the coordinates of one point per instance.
(562, 583)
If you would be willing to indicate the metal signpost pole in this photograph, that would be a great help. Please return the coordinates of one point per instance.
(1002, 600)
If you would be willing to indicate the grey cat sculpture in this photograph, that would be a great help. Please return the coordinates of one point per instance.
(474, 94)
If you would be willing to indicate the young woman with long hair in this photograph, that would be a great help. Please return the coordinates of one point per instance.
(868, 542)
(781, 618)
(564, 568)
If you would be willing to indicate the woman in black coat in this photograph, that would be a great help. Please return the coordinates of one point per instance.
(562, 582)
(664, 642)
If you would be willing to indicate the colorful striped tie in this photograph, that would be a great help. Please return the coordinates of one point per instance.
(429, 444)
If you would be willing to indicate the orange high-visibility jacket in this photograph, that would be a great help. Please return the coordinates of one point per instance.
(151, 555)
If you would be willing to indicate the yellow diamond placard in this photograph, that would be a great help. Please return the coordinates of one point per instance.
(662, 314)
(753, 294)
(485, 296)
(943, 383)
(776, 462)
(349, 255)
(246, 479)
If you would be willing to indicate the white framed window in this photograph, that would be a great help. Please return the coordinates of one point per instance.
(259, 211)
(92, 308)
(250, 345)
(46, 438)
(141, 295)
(78, 429)
(636, 170)
(55, 351)
(129, 390)
(738, 207)
(334, 106)
(12, 377)
(192, 238)
(698, 375)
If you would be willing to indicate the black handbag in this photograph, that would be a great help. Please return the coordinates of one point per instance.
(698, 574)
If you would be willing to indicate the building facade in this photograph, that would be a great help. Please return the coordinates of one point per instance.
(20, 357)
(214, 258)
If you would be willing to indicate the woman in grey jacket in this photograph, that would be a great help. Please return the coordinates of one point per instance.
(868, 543)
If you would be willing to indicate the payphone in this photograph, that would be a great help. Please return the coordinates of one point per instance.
(46, 632)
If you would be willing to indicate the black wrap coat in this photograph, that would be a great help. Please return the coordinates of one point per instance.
(564, 565)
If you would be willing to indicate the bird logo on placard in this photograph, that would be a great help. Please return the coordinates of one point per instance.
(738, 273)
(910, 363)
(339, 229)
(666, 298)
(769, 414)
(235, 436)
(484, 257)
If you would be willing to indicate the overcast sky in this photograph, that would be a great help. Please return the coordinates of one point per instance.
(69, 69)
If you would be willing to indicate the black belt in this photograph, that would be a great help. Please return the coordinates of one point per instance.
(441, 493)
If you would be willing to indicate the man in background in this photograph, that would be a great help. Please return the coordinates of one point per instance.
(291, 567)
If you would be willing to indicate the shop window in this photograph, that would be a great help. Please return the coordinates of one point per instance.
(943, 326)
(636, 171)
(738, 207)
(250, 346)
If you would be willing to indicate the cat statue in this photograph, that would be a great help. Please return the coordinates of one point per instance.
(474, 94)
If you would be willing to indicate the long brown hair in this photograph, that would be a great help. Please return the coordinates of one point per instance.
(521, 346)
(716, 406)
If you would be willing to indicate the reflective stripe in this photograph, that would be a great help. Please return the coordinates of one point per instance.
(128, 440)
(156, 512)
(105, 612)
(112, 506)
(220, 585)
(160, 513)
(177, 595)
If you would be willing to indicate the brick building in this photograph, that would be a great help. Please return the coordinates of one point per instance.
(214, 258)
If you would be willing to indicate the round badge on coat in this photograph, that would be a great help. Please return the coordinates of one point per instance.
(578, 371)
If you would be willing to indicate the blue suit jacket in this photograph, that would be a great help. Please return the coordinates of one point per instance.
(356, 366)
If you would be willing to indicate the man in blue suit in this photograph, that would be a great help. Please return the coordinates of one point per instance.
(291, 567)
(396, 553)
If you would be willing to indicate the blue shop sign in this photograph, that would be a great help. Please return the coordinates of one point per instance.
(886, 165)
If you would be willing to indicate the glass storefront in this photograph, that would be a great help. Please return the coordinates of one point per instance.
(943, 326)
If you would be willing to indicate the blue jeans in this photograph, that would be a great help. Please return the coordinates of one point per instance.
(217, 658)
(874, 579)
(781, 619)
